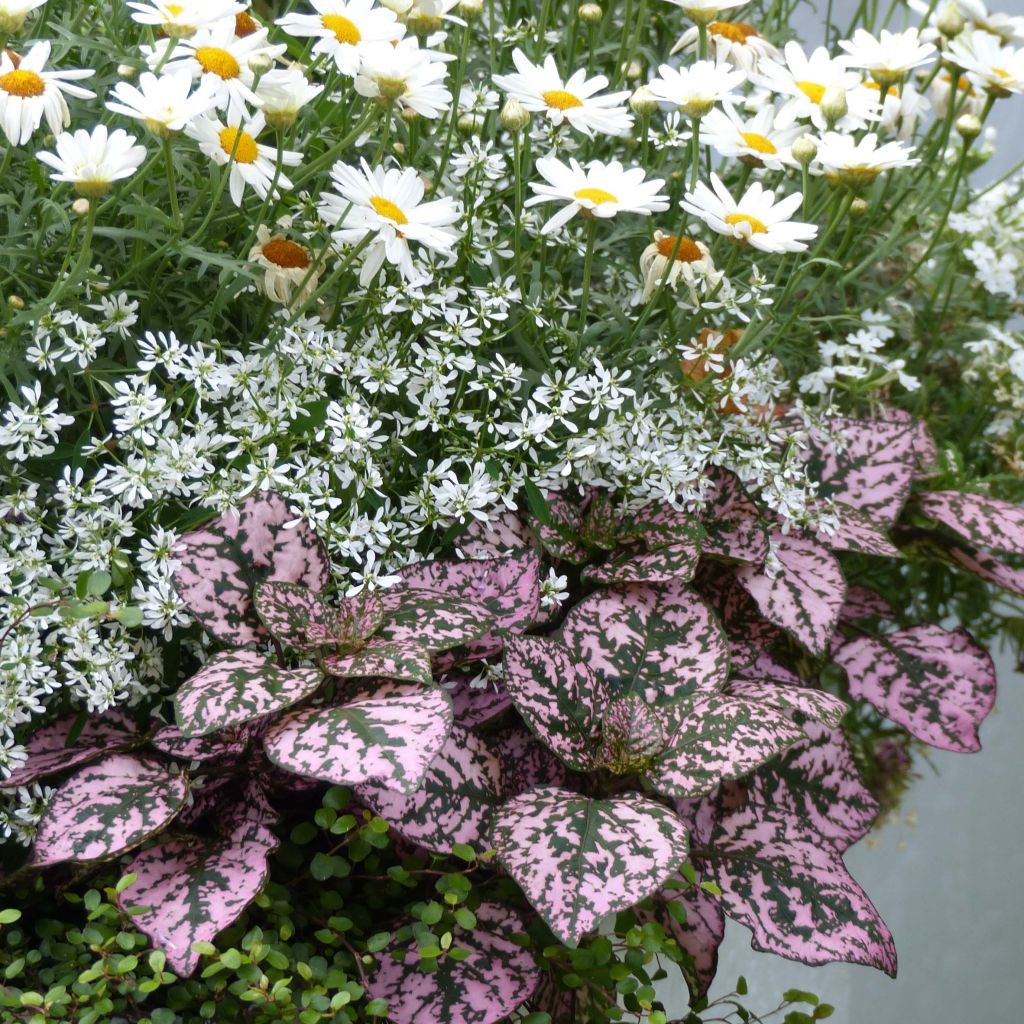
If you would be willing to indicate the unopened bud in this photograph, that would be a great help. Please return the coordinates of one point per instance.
(514, 116)
(833, 105)
(804, 150)
(280, 120)
(81, 207)
(632, 70)
(15, 301)
(471, 9)
(951, 21)
(408, 114)
(468, 123)
(127, 72)
(858, 208)
(968, 127)
(260, 63)
(590, 14)
(643, 102)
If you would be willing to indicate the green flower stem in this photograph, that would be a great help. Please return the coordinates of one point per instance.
(588, 267)
(172, 185)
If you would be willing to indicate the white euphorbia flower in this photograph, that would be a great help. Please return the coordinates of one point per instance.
(706, 10)
(541, 89)
(695, 89)
(989, 64)
(858, 162)
(14, 12)
(755, 139)
(597, 190)
(406, 75)
(889, 56)
(92, 161)
(252, 163)
(165, 104)
(734, 42)
(29, 92)
(388, 205)
(756, 218)
(282, 93)
(184, 18)
(344, 28)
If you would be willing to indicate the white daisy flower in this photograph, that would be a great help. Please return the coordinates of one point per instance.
(389, 204)
(806, 80)
(282, 93)
(14, 12)
(756, 219)
(706, 10)
(756, 139)
(598, 190)
(216, 55)
(425, 16)
(902, 109)
(733, 42)
(344, 28)
(671, 259)
(165, 104)
(942, 86)
(28, 93)
(180, 20)
(987, 63)
(889, 57)
(405, 75)
(252, 163)
(857, 162)
(288, 267)
(92, 161)
(541, 89)
(695, 89)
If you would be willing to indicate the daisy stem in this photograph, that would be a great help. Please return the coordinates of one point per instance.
(588, 267)
(460, 70)
(172, 185)
(702, 39)
(517, 175)
(385, 135)
(695, 153)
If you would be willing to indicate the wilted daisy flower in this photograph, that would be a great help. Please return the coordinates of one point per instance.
(889, 57)
(282, 93)
(671, 259)
(807, 80)
(252, 163)
(695, 89)
(288, 267)
(706, 10)
(735, 42)
(540, 88)
(180, 20)
(858, 162)
(165, 104)
(93, 160)
(756, 218)
(387, 204)
(28, 93)
(344, 28)
(755, 140)
(405, 75)
(216, 55)
(987, 62)
(598, 190)
(14, 12)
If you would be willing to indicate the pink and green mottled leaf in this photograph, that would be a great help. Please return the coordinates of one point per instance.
(561, 698)
(496, 978)
(636, 565)
(659, 525)
(732, 522)
(660, 642)
(938, 684)
(108, 808)
(578, 859)
(767, 681)
(50, 752)
(864, 603)
(294, 615)
(221, 563)
(560, 535)
(399, 659)
(806, 596)
(194, 890)
(987, 567)
(525, 761)
(632, 734)
(437, 622)
(857, 532)
(391, 739)
(504, 532)
(231, 743)
(238, 686)
(453, 803)
(600, 527)
(985, 522)
(789, 886)
(715, 739)
(477, 701)
(748, 631)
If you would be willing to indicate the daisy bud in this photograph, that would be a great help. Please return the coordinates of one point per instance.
(590, 14)
(643, 102)
(468, 123)
(951, 21)
(858, 208)
(804, 150)
(80, 207)
(398, 6)
(834, 106)
(514, 116)
(15, 301)
(471, 9)
(260, 63)
(127, 72)
(633, 70)
(968, 127)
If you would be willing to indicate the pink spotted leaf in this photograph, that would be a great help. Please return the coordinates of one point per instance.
(987, 567)
(525, 761)
(477, 698)
(659, 525)
(231, 743)
(560, 534)
(858, 532)
(864, 603)
(437, 622)
(634, 564)
(732, 522)
(984, 521)
(399, 659)
(768, 681)
(504, 532)
(632, 734)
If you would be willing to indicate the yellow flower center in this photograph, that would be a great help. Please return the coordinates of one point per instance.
(758, 142)
(561, 100)
(216, 61)
(757, 227)
(687, 251)
(22, 83)
(175, 10)
(734, 31)
(596, 195)
(386, 208)
(289, 255)
(1002, 73)
(241, 143)
(344, 30)
(812, 90)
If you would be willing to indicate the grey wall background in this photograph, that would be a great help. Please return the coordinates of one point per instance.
(948, 876)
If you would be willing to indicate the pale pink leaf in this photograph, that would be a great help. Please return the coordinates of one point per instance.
(984, 521)
(768, 681)
(398, 659)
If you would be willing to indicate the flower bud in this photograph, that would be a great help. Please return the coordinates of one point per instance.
(468, 123)
(968, 127)
(833, 105)
(633, 70)
(280, 119)
(15, 301)
(514, 116)
(471, 9)
(127, 72)
(858, 208)
(81, 207)
(590, 14)
(804, 150)
(11, 23)
(643, 102)
(260, 63)
(951, 21)
(398, 6)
